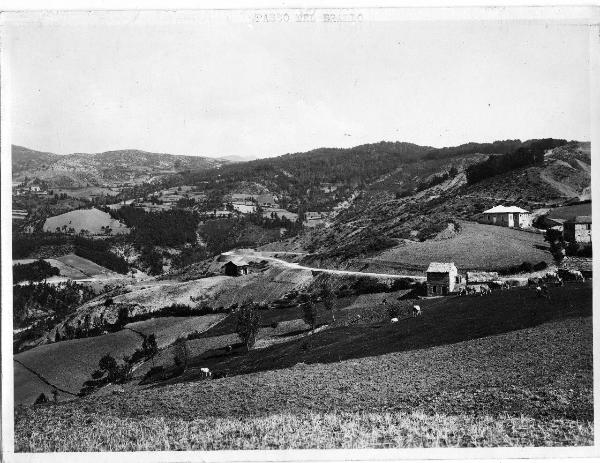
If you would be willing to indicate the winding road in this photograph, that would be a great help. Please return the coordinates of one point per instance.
(264, 255)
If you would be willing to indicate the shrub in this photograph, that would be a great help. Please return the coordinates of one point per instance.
(526, 267)
(540, 266)
(42, 399)
(400, 284)
(274, 325)
(180, 359)
(367, 285)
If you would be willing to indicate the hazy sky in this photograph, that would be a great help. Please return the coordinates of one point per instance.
(262, 90)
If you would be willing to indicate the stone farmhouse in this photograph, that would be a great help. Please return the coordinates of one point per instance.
(442, 278)
(578, 229)
(507, 216)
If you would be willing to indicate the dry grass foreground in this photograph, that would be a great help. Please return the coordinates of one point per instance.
(309, 430)
(526, 387)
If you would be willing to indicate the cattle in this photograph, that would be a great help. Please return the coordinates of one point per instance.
(394, 320)
(416, 311)
(205, 372)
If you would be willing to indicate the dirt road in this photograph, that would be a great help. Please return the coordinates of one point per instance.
(250, 254)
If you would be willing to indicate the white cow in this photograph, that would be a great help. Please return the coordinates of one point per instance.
(416, 311)
(206, 372)
(394, 320)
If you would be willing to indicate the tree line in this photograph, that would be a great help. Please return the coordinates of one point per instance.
(528, 154)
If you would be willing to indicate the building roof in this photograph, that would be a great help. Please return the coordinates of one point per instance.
(580, 219)
(441, 267)
(481, 277)
(504, 209)
(237, 261)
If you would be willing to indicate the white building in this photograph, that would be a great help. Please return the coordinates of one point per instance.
(507, 216)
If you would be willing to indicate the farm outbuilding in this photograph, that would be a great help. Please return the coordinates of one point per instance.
(578, 229)
(236, 267)
(507, 216)
(442, 278)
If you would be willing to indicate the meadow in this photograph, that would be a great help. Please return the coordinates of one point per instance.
(475, 247)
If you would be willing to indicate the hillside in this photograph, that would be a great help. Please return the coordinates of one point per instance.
(524, 378)
(80, 170)
(380, 213)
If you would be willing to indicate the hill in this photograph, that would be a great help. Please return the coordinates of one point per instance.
(524, 378)
(422, 214)
(80, 170)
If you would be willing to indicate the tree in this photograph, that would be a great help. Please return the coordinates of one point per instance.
(110, 366)
(122, 317)
(309, 314)
(248, 323)
(149, 347)
(328, 299)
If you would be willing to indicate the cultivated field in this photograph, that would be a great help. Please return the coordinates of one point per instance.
(477, 246)
(530, 387)
(91, 220)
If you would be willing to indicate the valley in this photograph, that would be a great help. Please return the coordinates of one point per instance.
(326, 253)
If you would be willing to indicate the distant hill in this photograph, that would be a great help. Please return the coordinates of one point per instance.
(393, 209)
(107, 168)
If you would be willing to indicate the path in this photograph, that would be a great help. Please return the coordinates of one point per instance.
(295, 266)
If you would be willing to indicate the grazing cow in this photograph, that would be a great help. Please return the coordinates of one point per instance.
(541, 291)
(416, 311)
(394, 320)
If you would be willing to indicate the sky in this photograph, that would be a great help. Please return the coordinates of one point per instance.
(221, 88)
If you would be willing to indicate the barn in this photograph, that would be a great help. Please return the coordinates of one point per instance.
(236, 267)
(507, 216)
(442, 278)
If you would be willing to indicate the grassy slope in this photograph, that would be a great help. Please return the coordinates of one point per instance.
(444, 321)
(477, 246)
(527, 387)
(68, 364)
(168, 329)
